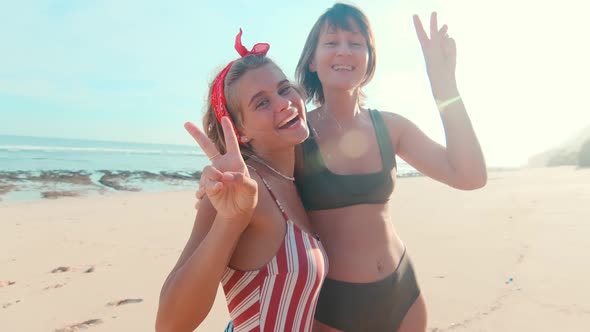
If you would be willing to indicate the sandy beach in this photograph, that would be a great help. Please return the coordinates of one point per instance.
(510, 257)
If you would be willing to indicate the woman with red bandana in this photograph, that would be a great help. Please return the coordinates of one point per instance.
(251, 233)
(346, 170)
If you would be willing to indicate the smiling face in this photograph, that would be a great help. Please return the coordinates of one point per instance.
(272, 112)
(341, 58)
(347, 25)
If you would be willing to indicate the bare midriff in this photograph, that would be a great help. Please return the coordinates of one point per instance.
(360, 241)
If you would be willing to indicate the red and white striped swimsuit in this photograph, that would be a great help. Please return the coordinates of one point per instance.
(282, 295)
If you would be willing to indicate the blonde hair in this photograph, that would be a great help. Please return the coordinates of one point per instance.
(240, 67)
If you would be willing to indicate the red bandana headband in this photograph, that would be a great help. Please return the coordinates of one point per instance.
(217, 92)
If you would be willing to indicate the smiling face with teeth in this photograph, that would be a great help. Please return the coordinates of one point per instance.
(339, 53)
(272, 111)
(341, 58)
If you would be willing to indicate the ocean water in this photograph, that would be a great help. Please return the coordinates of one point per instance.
(40, 167)
(22, 153)
(31, 167)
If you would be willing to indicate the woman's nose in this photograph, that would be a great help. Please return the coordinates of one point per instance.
(343, 49)
(283, 103)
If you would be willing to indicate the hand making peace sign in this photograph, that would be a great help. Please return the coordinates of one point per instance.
(226, 182)
(440, 55)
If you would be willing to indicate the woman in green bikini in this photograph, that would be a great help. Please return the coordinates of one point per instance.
(346, 170)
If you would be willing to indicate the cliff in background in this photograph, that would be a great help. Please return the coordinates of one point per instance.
(564, 154)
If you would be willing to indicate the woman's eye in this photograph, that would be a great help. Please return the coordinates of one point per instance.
(262, 103)
(285, 90)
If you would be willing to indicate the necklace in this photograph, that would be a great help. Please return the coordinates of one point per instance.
(286, 177)
(334, 118)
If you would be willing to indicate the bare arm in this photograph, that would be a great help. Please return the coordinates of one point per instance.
(460, 165)
(189, 291)
(463, 151)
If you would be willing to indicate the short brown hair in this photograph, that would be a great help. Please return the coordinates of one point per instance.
(338, 16)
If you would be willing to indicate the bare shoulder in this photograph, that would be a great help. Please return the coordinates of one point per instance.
(396, 125)
(393, 120)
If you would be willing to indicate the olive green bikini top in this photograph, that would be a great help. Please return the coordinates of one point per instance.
(320, 189)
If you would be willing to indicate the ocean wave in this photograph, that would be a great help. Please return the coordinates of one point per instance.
(133, 180)
(84, 177)
(52, 149)
(62, 183)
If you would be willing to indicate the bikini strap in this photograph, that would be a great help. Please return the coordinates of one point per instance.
(271, 194)
(383, 139)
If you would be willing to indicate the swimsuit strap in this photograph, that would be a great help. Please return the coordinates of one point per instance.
(271, 194)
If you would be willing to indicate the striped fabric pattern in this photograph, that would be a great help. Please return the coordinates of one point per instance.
(282, 295)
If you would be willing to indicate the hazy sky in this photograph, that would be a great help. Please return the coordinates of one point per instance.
(137, 70)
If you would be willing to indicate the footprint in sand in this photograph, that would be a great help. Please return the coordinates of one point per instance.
(7, 283)
(122, 302)
(68, 268)
(8, 304)
(61, 269)
(54, 286)
(80, 326)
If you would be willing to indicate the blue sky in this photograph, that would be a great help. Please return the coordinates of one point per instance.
(137, 70)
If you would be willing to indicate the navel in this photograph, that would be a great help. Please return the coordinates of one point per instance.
(380, 266)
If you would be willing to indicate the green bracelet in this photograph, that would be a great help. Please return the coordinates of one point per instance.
(441, 105)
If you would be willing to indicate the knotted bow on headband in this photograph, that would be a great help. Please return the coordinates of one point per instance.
(217, 92)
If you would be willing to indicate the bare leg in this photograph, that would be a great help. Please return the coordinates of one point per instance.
(416, 318)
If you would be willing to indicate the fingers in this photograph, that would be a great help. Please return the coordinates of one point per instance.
(227, 179)
(204, 142)
(433, 24)
(239, 179)
(211, 181)
(231, 141)
(451, 50)
(211, 173)
(232, 178)
(200, 193)
(436, 35)
(420, 32)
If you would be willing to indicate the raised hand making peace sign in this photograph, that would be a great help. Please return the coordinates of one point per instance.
(226, 182)
(440, 55)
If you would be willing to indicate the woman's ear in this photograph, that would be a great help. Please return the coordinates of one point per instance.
(242, 133)
(312, 66)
